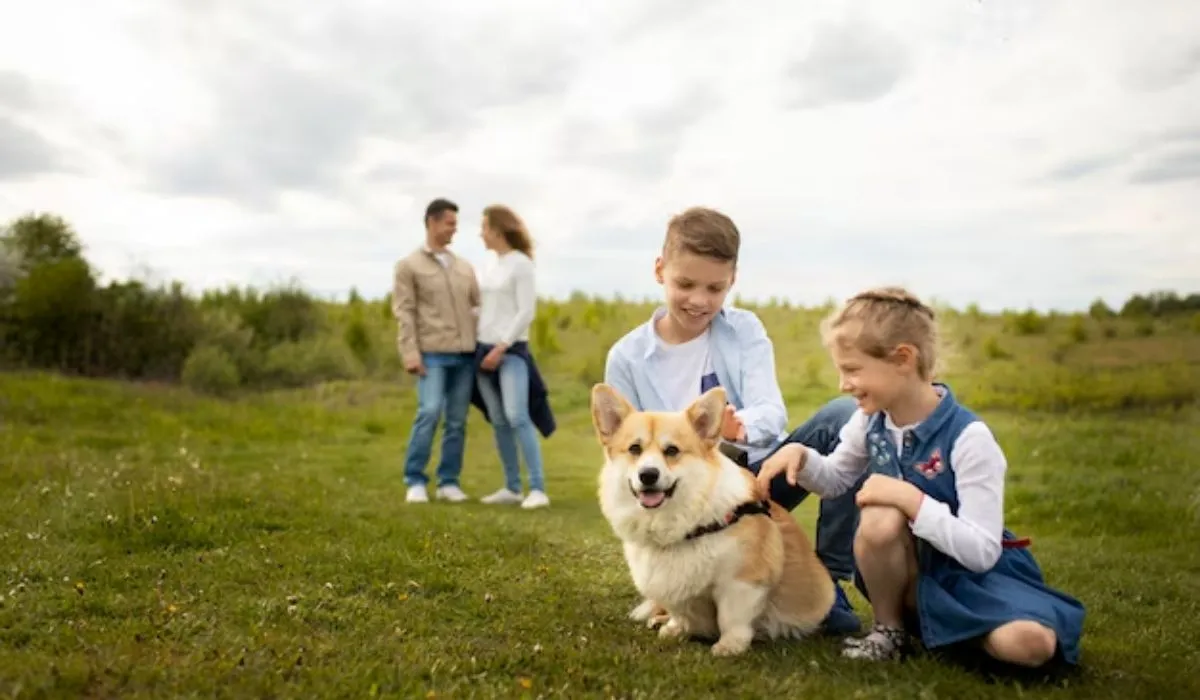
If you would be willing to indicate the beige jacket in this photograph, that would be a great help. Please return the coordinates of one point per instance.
(435, 306)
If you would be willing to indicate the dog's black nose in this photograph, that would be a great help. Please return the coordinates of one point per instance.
(648, 475)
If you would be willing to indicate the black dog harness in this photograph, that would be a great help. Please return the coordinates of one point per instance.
(752, 508)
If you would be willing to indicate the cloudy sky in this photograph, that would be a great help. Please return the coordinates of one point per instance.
(1007, 152)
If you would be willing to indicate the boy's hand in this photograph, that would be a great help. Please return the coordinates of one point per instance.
(788, 459)
(732, 428)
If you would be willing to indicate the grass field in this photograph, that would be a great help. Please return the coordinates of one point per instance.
(159, 543)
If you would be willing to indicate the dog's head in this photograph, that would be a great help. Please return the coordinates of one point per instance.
(659, 452)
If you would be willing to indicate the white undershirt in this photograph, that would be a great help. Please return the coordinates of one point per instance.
(681, 368)
(508, 299)
(973, 537)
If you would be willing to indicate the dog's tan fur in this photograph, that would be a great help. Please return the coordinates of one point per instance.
(757, 578)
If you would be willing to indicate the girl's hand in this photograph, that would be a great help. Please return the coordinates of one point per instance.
(493, 358)
(881, 490)
(788, 459)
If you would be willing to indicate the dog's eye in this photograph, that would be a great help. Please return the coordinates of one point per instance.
(671, 451)
(635, 449)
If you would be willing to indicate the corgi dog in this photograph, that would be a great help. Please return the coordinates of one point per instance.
(711, 555)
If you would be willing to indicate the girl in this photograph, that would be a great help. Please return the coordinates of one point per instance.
(507, 380)
(934, 557)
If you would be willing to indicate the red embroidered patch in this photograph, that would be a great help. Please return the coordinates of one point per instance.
(933, 466)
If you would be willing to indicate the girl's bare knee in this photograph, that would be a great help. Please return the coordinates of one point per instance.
(1024, 642)
(880, 526)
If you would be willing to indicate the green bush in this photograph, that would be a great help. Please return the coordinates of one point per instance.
(210, 370)
(992, 349)
(1028, 322)
(358, 339)
(1077, 330)
(311, 361)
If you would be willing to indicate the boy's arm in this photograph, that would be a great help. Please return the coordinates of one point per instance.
(619, 375)
(763, 411)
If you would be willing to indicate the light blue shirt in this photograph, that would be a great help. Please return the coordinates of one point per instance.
(743, 358)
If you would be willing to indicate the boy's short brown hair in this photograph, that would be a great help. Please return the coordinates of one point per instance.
(705, 232)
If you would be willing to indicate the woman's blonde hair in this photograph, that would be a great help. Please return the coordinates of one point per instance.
(501, 218)
(877, 321)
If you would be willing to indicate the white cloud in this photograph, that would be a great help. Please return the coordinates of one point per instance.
(1009, 153)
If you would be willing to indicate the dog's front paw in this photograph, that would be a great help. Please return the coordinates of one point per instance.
(651, 613)
(731, 645)
(643, 612)
(671, 629)
(658, 619)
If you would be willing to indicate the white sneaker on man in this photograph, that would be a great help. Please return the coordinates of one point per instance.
(535, 499)
(417, 494)
(502, 497)
(451, 493)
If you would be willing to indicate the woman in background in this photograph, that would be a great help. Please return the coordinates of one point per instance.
(509, 387)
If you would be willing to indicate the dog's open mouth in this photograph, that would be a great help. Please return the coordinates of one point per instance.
(652, 497)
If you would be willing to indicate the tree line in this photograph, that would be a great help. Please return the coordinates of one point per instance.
(56, 315)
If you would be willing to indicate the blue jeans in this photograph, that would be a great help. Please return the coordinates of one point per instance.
(837, 520)
(509, 415)
(445, 389)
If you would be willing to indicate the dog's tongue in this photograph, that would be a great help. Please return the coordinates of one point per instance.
(650, 499)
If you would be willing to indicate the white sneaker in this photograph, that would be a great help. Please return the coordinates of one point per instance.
(417, 494)
(502, 497)
(535, 499)
(451, 493)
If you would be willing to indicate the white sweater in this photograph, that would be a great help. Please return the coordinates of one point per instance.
(508, 299)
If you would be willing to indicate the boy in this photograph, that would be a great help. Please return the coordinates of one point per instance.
(692, 344)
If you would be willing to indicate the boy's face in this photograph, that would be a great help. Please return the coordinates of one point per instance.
(695, 288)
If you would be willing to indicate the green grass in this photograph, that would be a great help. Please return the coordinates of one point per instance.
(156, 543)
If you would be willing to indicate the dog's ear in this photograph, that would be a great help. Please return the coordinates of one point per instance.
(609, 410)
(706, 413)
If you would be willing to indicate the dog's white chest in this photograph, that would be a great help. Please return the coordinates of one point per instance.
(677, 575)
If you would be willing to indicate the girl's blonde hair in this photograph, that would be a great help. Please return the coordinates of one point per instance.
(501, 218)
(877, 321)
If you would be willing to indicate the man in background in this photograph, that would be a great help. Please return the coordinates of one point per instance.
(435, 298)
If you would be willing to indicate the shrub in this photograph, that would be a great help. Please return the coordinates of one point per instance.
(210, 370)
(1077, 331)
(358, 339)
(224, 329)
(543, 336)
(1027, 322)
(305, 362)
(1100, 311)
(992, 349)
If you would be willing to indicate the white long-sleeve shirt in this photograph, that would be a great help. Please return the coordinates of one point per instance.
(974, 537)
(508, 299)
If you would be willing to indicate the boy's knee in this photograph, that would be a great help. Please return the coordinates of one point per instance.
(880, 526)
